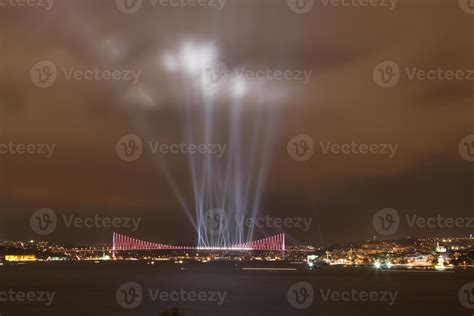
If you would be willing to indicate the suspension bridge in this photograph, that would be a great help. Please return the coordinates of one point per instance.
(126, 243)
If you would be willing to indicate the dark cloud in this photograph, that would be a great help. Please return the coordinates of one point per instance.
(340, 103)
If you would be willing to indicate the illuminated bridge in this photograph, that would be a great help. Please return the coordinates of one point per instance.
(125, 243)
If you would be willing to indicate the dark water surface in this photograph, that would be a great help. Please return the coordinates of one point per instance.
(90, 289)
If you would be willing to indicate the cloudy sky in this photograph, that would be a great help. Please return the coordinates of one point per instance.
(341, 101)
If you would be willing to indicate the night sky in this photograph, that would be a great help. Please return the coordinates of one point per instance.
(340, 103)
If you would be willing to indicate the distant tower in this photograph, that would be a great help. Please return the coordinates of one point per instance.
(441, 250)
(113, 246)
